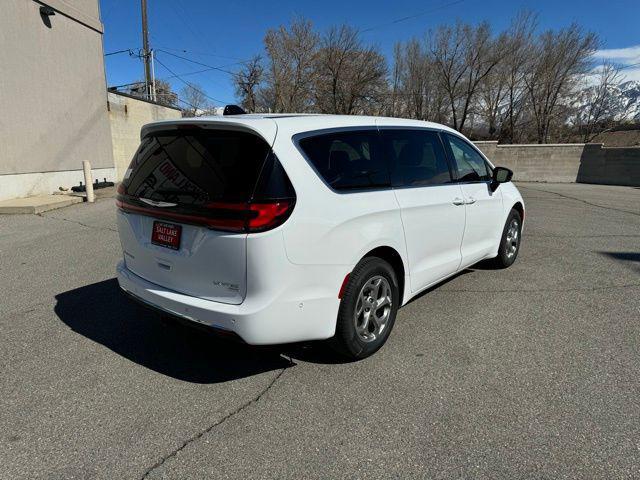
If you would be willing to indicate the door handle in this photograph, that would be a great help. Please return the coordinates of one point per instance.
(458, 201)
(470, 200)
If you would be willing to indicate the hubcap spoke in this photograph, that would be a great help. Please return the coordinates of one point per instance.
(377, 323)
(364, 326)
(384, 301)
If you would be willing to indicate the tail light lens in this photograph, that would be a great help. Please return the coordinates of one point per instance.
(231, 217)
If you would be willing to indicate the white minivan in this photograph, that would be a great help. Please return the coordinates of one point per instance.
(288, 228)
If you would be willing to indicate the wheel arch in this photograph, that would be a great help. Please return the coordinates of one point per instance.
(393, 257)
(519, 207)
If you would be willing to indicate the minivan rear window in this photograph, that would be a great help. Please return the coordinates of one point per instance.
(195, 166)
(227, 180)
(347, 160)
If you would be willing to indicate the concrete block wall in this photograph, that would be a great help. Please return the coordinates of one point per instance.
(567, 163)
(127, 115)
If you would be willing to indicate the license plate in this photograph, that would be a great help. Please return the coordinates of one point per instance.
(166, 235)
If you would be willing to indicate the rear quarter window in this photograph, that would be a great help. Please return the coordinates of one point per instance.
(347, 160)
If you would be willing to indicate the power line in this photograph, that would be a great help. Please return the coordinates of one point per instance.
(409, 17)
(183, 50)
(127, 50)
(210, 67)
(191, 85)
(189, 73)
(196, 35)
(124, 85)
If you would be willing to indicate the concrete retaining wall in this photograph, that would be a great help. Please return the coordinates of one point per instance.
(579, 162)
(127, 115)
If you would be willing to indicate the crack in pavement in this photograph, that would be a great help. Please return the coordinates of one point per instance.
(551, 235)
(581, 200)
(202, 433)
(92, 227)
(533, 290)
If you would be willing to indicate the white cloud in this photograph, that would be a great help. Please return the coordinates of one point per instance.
(628, 58)
(620, 55)
(631, 74)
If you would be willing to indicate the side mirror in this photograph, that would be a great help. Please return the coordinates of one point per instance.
(500, 175)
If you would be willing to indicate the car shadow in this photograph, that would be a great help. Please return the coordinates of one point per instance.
(102, 313)
(444, 282)
(633, 257)
(626, 256)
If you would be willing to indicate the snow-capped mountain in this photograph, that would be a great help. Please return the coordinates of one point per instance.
(630, 95)
(623, 100)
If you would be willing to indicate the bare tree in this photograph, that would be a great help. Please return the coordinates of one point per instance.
(394, 104)
(515, 85)
(247, 82)
(349, 77)
(414, 77)
(195, 100)
(493, 91)
(517, 56)
(463, 56)
(292, 53)
(558, 60)
(164, 93)
(596, 110)
(418, 86)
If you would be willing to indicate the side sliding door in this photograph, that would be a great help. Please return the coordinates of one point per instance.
(431, 203)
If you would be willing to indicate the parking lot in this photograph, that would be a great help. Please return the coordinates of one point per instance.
(530, 372)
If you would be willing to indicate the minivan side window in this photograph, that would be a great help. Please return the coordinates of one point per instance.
(469, 163)
(347, 160)
(416, 157)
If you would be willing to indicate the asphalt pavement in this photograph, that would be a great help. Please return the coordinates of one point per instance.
(530, 372)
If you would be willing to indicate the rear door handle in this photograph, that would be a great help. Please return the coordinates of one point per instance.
(458, 201)
(470, 200)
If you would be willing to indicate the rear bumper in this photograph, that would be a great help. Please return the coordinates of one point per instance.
(291, 317)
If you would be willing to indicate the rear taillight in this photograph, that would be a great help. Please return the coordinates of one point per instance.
(249, 217)
(268, 215)
(228, 216)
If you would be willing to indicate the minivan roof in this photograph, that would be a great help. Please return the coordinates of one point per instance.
(294, 123)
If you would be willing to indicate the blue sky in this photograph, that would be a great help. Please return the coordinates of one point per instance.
(220, 34)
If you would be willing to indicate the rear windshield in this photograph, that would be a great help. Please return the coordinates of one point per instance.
(196, 166)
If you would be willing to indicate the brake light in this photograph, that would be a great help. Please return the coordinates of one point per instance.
(229, 216)
(267, 214)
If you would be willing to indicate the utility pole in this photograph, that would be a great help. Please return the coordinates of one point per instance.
(153, 77)
(146, 55)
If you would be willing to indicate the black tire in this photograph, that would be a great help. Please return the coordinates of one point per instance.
(347, 341)
(506, 254)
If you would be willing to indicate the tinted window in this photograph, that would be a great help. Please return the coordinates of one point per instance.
(470, 165)
(196, 166)
(347, 160)
(416, 157)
